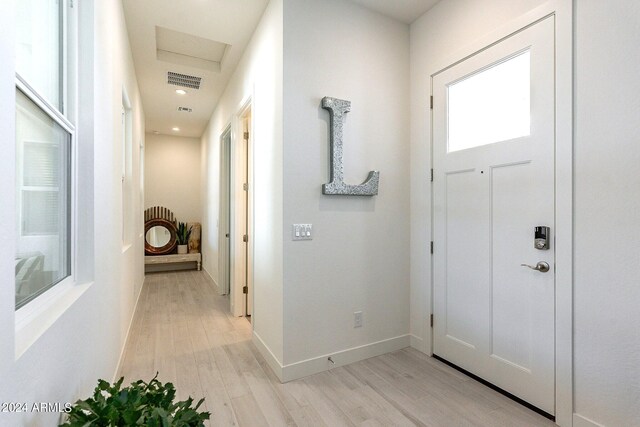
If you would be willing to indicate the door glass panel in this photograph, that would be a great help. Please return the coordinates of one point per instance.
(490, 106)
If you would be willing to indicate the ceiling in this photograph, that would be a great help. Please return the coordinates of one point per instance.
(199, 38)
(203, 39)
(405, 11)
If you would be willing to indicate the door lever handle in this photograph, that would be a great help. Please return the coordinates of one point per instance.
(541, 266)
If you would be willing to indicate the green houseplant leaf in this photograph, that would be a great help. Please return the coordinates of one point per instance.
(140, 404)
(183, 234)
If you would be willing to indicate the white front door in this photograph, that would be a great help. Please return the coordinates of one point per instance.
(493, 159)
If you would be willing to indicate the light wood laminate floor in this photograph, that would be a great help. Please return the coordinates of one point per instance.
(184, 330)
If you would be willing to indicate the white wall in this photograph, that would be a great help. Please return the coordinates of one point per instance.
(325, 282)
(84, 331)
(607, 189)
(607, 212)
(358, 259)
(172, 175)
(259, 77)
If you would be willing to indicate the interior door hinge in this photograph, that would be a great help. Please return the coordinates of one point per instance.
(245, 186)
(431, 102)
(245, 238)
(431, 320)
(431, 174)
(71, 4)
(246, 136)
(245, 289)
(431, 247)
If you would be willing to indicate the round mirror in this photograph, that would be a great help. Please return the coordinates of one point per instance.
(158, 236)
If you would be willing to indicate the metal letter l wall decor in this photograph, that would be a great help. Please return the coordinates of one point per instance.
(337, 109)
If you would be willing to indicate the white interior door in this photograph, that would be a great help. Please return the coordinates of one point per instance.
(241, 242)
(248, 262)
(493, 158)
(225, 213)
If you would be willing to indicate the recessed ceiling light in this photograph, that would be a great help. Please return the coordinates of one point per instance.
(181, 92)
(175, 129)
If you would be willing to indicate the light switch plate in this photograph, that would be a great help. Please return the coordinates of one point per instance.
(302, 232)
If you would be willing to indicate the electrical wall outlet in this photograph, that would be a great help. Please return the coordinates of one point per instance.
(357, 319)
(302, 231)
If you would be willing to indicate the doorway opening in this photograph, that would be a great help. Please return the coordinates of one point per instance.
(225, 212)
(236, 218)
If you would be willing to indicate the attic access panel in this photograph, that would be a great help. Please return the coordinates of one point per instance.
(180, 48)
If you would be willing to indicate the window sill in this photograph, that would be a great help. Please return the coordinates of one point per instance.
(33, 320)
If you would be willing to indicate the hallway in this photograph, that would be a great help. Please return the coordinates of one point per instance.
(183, 330)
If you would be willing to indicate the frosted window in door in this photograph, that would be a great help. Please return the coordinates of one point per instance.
(490, 106)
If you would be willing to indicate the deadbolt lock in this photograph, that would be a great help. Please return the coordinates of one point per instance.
(541, 237)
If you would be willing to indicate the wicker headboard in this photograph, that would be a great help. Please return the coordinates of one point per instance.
(158, 212)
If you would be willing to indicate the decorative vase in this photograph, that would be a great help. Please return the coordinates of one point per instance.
(182, 249)
(194, 239)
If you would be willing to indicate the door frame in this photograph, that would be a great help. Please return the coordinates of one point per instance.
(241, 159)
(225, 218)
(562, 11)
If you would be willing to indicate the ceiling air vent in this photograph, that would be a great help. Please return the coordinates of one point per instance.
(183, 80)
(185, 109)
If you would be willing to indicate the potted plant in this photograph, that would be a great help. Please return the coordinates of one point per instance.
(182, 236)
(140, 404)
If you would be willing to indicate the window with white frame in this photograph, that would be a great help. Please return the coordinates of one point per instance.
(44, 141)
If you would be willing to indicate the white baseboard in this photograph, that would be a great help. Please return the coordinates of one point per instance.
(417, 343)
(215, 284)
(580, 421)
(312, 366)
(268, 355)
(318, 364)
(126, 338)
